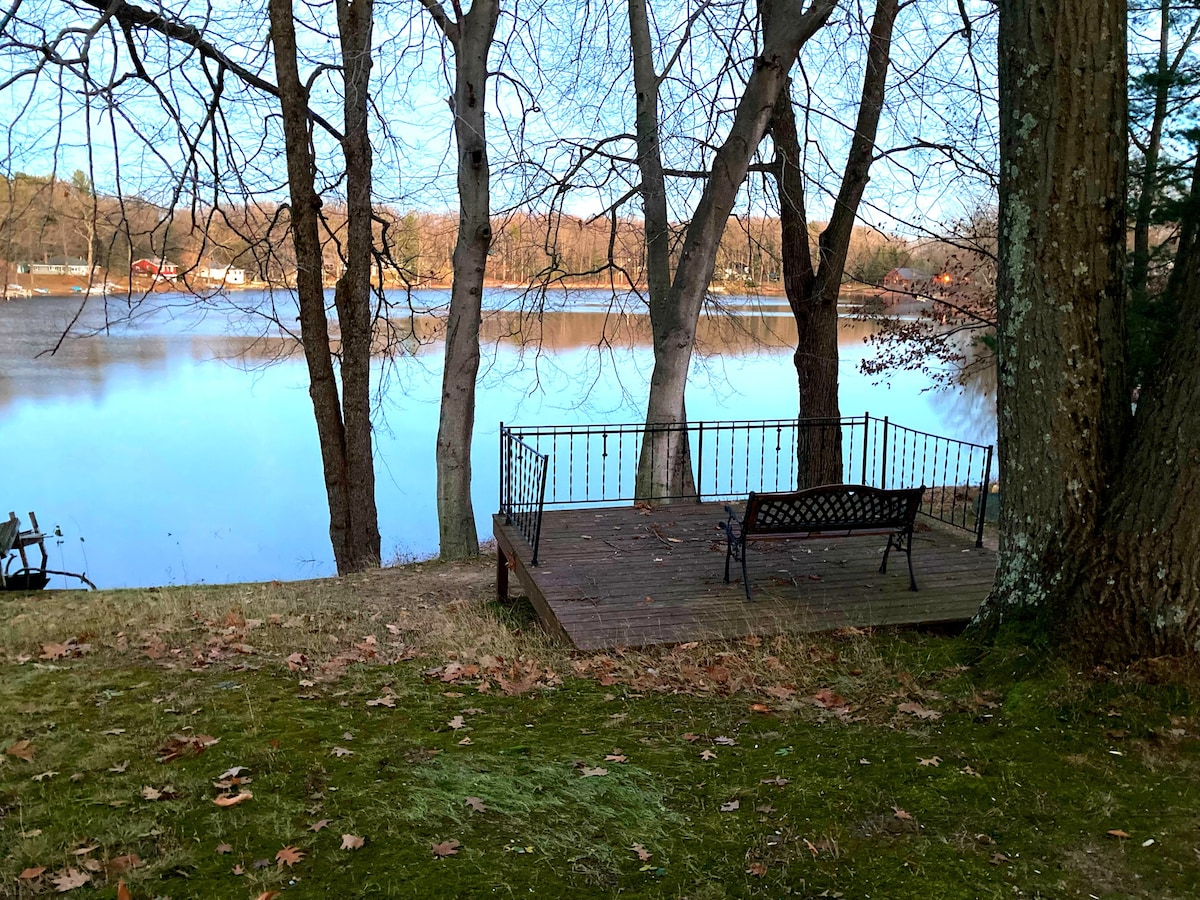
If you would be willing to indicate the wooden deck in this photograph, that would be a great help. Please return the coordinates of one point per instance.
(627, 577)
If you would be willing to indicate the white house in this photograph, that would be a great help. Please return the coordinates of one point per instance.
(223, 274)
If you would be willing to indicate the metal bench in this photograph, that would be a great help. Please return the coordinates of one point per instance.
(829, 510)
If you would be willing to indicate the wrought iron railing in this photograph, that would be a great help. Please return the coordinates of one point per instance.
(582, 465)
(522, 487)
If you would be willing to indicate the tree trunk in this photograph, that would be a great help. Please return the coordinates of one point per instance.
(679, 480)
(1140, 594)
(471, 38)
(813, 295)
(675, 332)
(1062, 397)
(352, 297)
(355, 545)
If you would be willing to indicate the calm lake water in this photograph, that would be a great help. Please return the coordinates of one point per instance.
(178, 448)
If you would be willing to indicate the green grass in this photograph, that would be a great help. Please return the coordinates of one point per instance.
(1035, 764)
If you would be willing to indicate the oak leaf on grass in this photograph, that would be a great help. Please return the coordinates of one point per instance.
(445, 848)
(69, 879)
(31, 873)
(289, 856)
(476, 804)
(591, 772)
(21, 750)
(351, 842)
(642, 853)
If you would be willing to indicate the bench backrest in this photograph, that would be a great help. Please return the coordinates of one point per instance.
(831, 507)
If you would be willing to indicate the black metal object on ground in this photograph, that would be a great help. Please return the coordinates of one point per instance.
(830, 510)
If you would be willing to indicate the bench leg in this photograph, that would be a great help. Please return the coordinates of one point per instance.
(728, 553)
(745, 572)
(902, 542)
(501, 575)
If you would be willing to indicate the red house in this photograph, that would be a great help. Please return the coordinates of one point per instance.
(156, 268)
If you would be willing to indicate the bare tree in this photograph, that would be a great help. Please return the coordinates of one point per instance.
(470, 34)
(812, 286)
(665, 449)
(127, 56)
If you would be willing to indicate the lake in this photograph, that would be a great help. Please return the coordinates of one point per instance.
(180, 447)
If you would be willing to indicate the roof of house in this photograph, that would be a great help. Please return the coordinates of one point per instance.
(910, 274)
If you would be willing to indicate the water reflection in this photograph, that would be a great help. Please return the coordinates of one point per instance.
(181, 447)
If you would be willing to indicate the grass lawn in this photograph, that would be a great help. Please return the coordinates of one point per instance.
(395, 735)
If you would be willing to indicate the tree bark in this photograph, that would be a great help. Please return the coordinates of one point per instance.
(1062, 396)
(1140, 591)
(353, 525)
(680, 482)
(812, 292)
(675, 332)
(471, 37)
(352, 297)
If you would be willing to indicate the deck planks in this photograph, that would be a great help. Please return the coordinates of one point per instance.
(626, 576)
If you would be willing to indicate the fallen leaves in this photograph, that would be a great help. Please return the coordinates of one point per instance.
(731, 806)
(69, 879)
(916, 709)
(154, 794)
(596, 772)
(934, 761)
(178, 745)
(288, 856)
(352, 842)
(31, 873)
(227, 801)
(317, 826)
(445, 848)
(642, 853)
(901, 814)
(388, 700)
(21, 750)
(476, 804)
(1118, 834)
(708, 754)
(339, 752)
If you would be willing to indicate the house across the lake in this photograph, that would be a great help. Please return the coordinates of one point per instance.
(58, 265)
(223, 274)
(155, 268)
(906, 279)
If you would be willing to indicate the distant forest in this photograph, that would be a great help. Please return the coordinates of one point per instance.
(44, 217)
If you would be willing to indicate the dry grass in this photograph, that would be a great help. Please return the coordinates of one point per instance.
(436, 611)
(427, 609)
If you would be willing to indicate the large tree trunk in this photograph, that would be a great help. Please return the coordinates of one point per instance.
(675, 332)
(680, 482)
(471, 38)
(353, 528)
(1140, 591)
(352, 297)
(813, 295)
(1062, 396)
